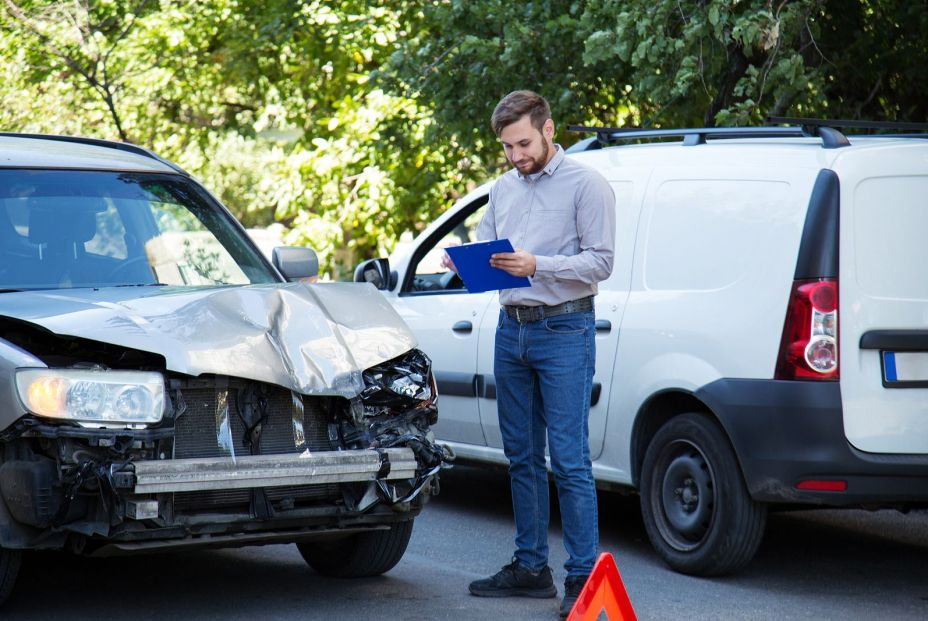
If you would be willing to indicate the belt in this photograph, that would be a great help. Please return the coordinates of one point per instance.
(526, 314)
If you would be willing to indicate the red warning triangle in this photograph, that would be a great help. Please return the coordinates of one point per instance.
(603, 592)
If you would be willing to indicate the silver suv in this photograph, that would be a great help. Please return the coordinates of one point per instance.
(163, 386)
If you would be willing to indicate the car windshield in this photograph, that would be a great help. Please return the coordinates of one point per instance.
(70, 228)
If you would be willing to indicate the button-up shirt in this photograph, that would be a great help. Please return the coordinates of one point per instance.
(565, 216)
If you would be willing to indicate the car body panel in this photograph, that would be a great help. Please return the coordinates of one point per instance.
(314, 339)
(883, 254)
(454, 320)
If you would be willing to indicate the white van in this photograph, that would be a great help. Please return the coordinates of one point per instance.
(763, 339)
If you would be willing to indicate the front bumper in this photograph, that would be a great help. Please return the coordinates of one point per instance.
(201, 474)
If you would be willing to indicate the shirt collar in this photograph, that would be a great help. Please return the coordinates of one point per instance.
(549, 168)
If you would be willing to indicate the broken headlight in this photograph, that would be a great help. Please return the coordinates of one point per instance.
(400, 384)
(101, 397)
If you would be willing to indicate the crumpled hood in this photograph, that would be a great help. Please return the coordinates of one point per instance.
(314, 339)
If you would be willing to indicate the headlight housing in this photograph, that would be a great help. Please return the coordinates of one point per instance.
(101, 397)
(400, 384)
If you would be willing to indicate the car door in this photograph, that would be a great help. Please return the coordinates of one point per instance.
(883, 297)
(445, 319)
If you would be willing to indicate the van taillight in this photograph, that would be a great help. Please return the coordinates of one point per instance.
(809, 347)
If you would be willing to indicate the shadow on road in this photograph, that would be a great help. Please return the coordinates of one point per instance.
(810, 565)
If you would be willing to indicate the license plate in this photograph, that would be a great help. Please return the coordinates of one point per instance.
(905, 369)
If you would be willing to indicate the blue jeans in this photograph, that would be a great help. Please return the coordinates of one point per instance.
(544, 373)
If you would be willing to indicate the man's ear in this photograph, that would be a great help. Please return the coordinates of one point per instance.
(548, 129)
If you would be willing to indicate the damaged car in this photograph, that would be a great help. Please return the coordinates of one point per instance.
(164, 386)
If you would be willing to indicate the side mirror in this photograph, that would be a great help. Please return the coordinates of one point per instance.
(374, 271)
(295, 263)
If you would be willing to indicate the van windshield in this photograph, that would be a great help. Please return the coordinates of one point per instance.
(72, 228)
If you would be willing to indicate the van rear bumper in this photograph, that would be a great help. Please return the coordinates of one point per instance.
(785, 432)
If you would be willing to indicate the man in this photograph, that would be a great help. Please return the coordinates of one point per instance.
(560, 217)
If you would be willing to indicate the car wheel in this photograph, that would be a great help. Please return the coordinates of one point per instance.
(9, 569)
(361, 555)
(696, 507)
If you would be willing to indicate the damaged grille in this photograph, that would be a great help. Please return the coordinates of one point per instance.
(216, 423)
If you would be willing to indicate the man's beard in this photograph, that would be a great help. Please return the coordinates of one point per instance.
(539, 164)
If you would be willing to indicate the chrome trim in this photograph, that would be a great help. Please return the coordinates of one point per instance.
(196, 474)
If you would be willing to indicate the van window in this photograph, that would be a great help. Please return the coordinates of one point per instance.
(890, 221)
(706, 233)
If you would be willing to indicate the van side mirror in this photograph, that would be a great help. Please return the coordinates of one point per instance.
(295, 263)
(376, 272)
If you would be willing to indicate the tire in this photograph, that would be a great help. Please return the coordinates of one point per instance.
(9, 569)
(361, 555)
(696, 507)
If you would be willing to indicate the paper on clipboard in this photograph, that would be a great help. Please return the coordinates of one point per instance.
(473, 263)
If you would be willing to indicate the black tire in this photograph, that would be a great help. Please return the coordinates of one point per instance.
(695, 504)
(9, 568)
(361, 555)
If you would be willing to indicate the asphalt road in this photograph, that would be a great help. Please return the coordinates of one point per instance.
(841, 565)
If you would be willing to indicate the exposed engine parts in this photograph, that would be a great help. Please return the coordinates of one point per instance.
(76, 481)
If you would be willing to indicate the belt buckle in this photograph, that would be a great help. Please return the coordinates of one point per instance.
(525, 314)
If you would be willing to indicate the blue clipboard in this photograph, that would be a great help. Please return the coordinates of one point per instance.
(473, 263)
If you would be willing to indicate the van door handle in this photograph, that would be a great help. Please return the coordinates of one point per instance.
(463, 327)
(603, 325)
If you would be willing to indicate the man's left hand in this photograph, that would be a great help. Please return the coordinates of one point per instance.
(518, 263)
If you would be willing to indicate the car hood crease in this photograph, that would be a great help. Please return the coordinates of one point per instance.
(313, 339)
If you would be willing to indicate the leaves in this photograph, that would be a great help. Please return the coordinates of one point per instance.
(352, 122)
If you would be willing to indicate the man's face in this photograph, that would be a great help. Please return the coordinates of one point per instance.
(527, 148)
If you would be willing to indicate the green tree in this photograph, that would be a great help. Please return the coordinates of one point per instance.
(461, 57)
(352, 121)
(269, 103)
(668, 63)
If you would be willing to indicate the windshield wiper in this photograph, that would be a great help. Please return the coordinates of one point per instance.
(5, 290)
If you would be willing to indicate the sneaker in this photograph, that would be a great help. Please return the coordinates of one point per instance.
(515, 580)
(572, 587)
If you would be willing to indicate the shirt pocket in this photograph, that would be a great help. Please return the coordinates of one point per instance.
(555, 230)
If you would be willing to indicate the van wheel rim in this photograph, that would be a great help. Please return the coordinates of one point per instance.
(687, 496)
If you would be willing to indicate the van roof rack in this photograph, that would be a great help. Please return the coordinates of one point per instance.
(798, 127)
(831, 138)
(99, 142)
(846, 123)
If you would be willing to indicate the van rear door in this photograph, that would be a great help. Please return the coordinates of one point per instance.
(883, 296)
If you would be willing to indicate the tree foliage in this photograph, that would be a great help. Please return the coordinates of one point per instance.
(270, 104)
(352, 121)
(671, 62)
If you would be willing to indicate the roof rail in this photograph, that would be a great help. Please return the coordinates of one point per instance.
(846, 123)
(100, 142)
(831, 138)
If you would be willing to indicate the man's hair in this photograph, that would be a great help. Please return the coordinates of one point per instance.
(517, 104)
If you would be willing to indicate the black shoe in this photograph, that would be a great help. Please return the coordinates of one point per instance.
(513, 580)
(572, 587)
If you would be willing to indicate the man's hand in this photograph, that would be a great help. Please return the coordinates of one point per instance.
(518, 263)
(446, 261)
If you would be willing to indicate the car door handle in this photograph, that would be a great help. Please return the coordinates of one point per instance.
(464, 327)
(603, 325)
(457, 384)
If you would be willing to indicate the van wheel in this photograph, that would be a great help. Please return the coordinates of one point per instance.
(9, 569)
(361, 555)
(696, 507)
